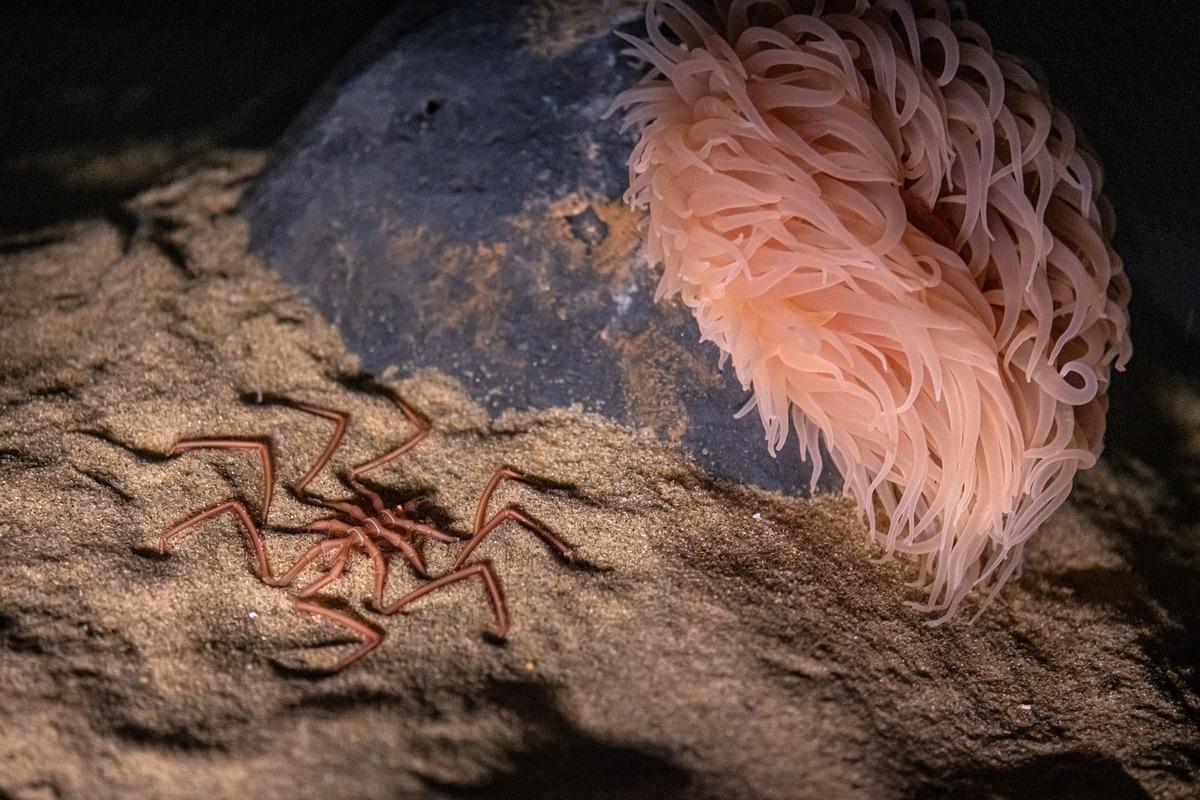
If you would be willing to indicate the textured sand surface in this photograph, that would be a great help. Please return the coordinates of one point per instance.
(711, 641)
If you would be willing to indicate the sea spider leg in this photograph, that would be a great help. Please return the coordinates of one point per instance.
(416, 527)
(375, 500)
(346, 508)
(381, 567)
(335, 571)
(309, 555)
(370, 637)
(416, 420)
(502, 474)
(239, 510)
(481, 529)
(410, 553)
(515, 515)
(340, 420)
(264, 454)
(490, 584)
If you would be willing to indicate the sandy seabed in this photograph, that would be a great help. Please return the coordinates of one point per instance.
(711, 640)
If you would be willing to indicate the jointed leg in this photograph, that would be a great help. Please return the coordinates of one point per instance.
(252, 534)
(309, 555)
(416, 420)
(370, 637)
(490, 584)
(340, 419)
(380, 568)
(410, 553)
(418, 528)
(335, 571)
(515, 515)
(344, 506)
(502, 474)
(375, 500)
(264, 454)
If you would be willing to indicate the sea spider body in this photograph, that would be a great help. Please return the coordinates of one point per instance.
(368, 526)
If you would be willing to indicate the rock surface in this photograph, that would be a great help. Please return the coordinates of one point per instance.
(713, 641)
(456, 204)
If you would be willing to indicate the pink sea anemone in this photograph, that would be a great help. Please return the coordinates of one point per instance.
(900, 244)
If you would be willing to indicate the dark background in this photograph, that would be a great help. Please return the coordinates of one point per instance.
(98, 100)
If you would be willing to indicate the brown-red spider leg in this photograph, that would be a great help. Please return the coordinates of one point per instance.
(335, 571)
(252, 534)
(309, 555)
(502, 474)
(490, 584)
(343, 506)
(375, 500)
(334, 525)
(380, 568)
(416, 420)
(264, 454)
(340, 420)
(415, 527)
(411, 554)
(370, 637)
(515, 515)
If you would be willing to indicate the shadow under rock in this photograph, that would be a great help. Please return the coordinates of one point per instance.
(1054, 776)
(556, 759)
(1151, 423)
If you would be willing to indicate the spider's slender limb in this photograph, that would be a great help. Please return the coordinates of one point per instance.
(515, 515)
(502, 474)
(340, 420)
(490, 584)
(372, 497)
(264, 455)
(335, 571)
(416, 527)
(381, 569)
(309, 555)
(344, 506)
(415, 419)
(252, 535)
(370, 637)
(410, 553)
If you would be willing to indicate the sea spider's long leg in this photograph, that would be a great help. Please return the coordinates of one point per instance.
(340, 420)
(515, 515)
(380, 567)
(356, 536)
(370, 637)
(416, 420)
(416, 527)
(335, 571)
(373, 497)
(264, 454)
(309, 555)
(502, 474)
(411, 554)
(344, 506)
(490, 584)
(239, 510)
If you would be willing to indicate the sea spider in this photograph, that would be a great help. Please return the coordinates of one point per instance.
(367, 524)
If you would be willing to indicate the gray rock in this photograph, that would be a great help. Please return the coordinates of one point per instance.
(456, 204)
